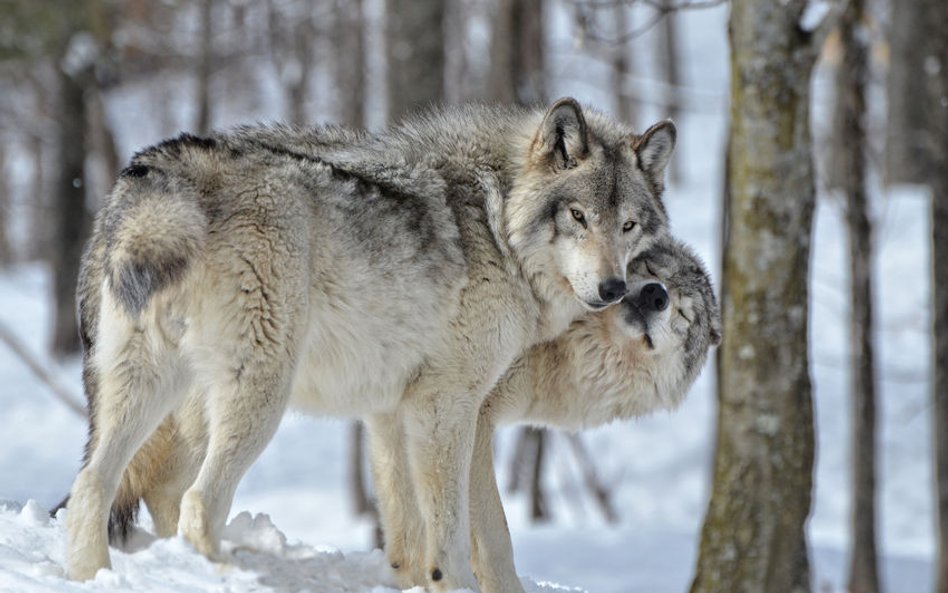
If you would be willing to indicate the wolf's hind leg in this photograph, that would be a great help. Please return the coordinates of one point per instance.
(139, 383)
(187, 446)
(243, 416)
(402, 525)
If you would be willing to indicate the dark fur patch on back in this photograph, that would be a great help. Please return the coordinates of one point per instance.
(136, 282)
(173, 146)
(134, 170)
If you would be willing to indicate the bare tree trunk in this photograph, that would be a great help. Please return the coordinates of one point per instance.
(457, 65)
(539, 509)
(360, 497)
(517, 72)
(622, 66)
(849, 150)
(302, 32)
(414, 37)
(349, 62)
(670, 67)
(205, 67)
(71, 216)
(6, 249)
(753, 537)
(937, 143)
(908, 118)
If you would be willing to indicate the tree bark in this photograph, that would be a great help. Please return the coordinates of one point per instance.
(622, 66)
(414, 38)
(517, 73)
(202, 122)
(349, 62)
(297, 83)
(670, 67)
(908, 118)
(849, 150)
(753, 537)
(72, 218)
(937, 149)
(6, 249)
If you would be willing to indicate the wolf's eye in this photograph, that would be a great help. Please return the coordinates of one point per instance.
(628, 226)
(578, 216)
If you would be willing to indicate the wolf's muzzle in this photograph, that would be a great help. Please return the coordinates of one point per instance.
(612, 290)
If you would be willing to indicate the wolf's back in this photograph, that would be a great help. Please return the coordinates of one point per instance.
(154, 229)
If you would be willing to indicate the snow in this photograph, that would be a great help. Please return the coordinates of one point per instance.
(291, 527)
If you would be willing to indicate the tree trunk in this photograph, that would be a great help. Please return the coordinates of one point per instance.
(849, 150)
(622, 66)
(204, 67)
(517, 73)
(670, 67)
(349, 62)
(6, 250)
(937, 143)
(297, 81)
(908, 117)
(362, 504)
(414, 38)
(71, 215)
(753, 537)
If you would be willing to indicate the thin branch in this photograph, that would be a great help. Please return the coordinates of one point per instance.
(43, 374)
(600, 493)
(661, 10)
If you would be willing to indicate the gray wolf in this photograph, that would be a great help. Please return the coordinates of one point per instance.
(623, 362)
(392, 277)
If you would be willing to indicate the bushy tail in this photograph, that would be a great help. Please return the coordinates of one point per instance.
(157, 232)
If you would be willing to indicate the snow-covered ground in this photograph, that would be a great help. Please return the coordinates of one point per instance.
(658, 467)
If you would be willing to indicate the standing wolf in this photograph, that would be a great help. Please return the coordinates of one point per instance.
(393, 277)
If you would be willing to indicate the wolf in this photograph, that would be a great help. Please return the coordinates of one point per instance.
(623, 362)
(392, 277)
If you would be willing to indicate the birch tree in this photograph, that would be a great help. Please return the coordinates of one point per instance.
(753, 537)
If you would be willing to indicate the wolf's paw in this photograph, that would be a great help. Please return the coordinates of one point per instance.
(195, 527)
(442, 583)
(84, 566)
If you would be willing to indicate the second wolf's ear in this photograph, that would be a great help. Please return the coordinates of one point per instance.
(562, 137)
(654, 148)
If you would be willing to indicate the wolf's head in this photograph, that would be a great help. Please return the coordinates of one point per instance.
(671, 307)
(588, 200)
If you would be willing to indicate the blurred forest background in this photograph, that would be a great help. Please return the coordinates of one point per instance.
(70, 68)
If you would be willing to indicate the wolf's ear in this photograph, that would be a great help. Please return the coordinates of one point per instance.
(562, 137)
(654, 148)
(716, 332)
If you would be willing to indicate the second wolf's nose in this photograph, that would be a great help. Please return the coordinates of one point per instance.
(612, 289)
(654, 297)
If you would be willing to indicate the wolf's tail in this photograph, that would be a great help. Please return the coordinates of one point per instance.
(158, 231)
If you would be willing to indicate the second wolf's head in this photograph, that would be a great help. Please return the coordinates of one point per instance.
(588, 200)
(671, 311)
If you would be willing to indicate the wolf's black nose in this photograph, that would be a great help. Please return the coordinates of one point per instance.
(612, 289)
(653, 297)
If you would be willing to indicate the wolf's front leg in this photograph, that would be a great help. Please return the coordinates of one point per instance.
(402, 526)
(492, 549)
(440, 434)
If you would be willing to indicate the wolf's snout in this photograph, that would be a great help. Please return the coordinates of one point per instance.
(653, 297)
(612, 290)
